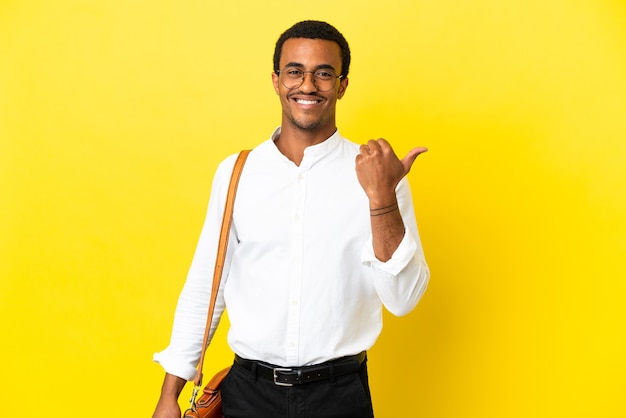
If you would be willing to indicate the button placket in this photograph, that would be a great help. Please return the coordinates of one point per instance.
(295, 284)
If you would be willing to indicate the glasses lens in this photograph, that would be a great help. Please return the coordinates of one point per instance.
(293, 78)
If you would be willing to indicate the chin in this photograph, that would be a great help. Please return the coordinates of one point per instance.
(306, 125)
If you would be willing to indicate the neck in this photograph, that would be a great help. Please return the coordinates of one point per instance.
(293, 141)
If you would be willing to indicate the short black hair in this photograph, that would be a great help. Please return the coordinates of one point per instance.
(314, 29)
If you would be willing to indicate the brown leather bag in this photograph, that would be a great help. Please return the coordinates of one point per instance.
(209, 405)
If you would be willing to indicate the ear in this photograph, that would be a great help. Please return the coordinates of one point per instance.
(275, 82)
(343, 85)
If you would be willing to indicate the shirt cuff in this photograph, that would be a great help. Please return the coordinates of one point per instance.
(176, 368)
(399, 259)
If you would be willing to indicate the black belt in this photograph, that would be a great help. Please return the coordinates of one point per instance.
(289, 376)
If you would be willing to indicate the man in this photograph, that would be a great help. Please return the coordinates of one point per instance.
(317, 248)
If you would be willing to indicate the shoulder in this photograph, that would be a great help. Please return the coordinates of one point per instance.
(226, 166)
(261, 151)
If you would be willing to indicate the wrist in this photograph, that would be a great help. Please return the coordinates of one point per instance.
(384, 210)
(383, 202)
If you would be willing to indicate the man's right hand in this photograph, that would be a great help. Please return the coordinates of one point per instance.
(167, 409)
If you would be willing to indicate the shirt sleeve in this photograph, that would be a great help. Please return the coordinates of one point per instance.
(181, 356)
(402, 280)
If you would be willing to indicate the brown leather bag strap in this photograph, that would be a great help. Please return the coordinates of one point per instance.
(221, 255)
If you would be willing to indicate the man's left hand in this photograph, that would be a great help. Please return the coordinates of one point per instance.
(379, 170)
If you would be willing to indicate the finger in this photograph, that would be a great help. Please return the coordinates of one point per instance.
(364, 149)
(375, 144)
(408, 160)
(382, 143)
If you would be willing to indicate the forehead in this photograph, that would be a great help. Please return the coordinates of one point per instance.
(311, 53)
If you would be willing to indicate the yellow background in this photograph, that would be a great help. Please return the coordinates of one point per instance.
(114, 115)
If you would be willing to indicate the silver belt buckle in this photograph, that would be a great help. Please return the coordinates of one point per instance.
(276, 371)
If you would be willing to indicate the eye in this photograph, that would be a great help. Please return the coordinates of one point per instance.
(294, 73)
(324, 74)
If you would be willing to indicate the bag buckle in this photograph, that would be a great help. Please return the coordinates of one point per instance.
(192, 412)
(283, 370)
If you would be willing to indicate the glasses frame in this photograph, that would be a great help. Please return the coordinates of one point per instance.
(315, 79)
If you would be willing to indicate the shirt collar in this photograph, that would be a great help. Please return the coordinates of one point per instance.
(316, 152)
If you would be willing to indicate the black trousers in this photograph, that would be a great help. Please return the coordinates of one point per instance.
(246, 395)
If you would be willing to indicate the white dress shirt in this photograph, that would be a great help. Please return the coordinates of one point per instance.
(301, 282)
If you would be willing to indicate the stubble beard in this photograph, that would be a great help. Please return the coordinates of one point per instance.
(304, 126)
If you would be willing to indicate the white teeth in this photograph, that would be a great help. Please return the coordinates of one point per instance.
(306, 102)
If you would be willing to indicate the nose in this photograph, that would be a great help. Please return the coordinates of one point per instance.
(308, 82)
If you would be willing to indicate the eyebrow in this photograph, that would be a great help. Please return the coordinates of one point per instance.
(319, 67)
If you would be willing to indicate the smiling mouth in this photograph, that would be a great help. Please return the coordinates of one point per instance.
(307, 102)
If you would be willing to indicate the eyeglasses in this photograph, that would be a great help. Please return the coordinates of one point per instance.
(293, 77)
